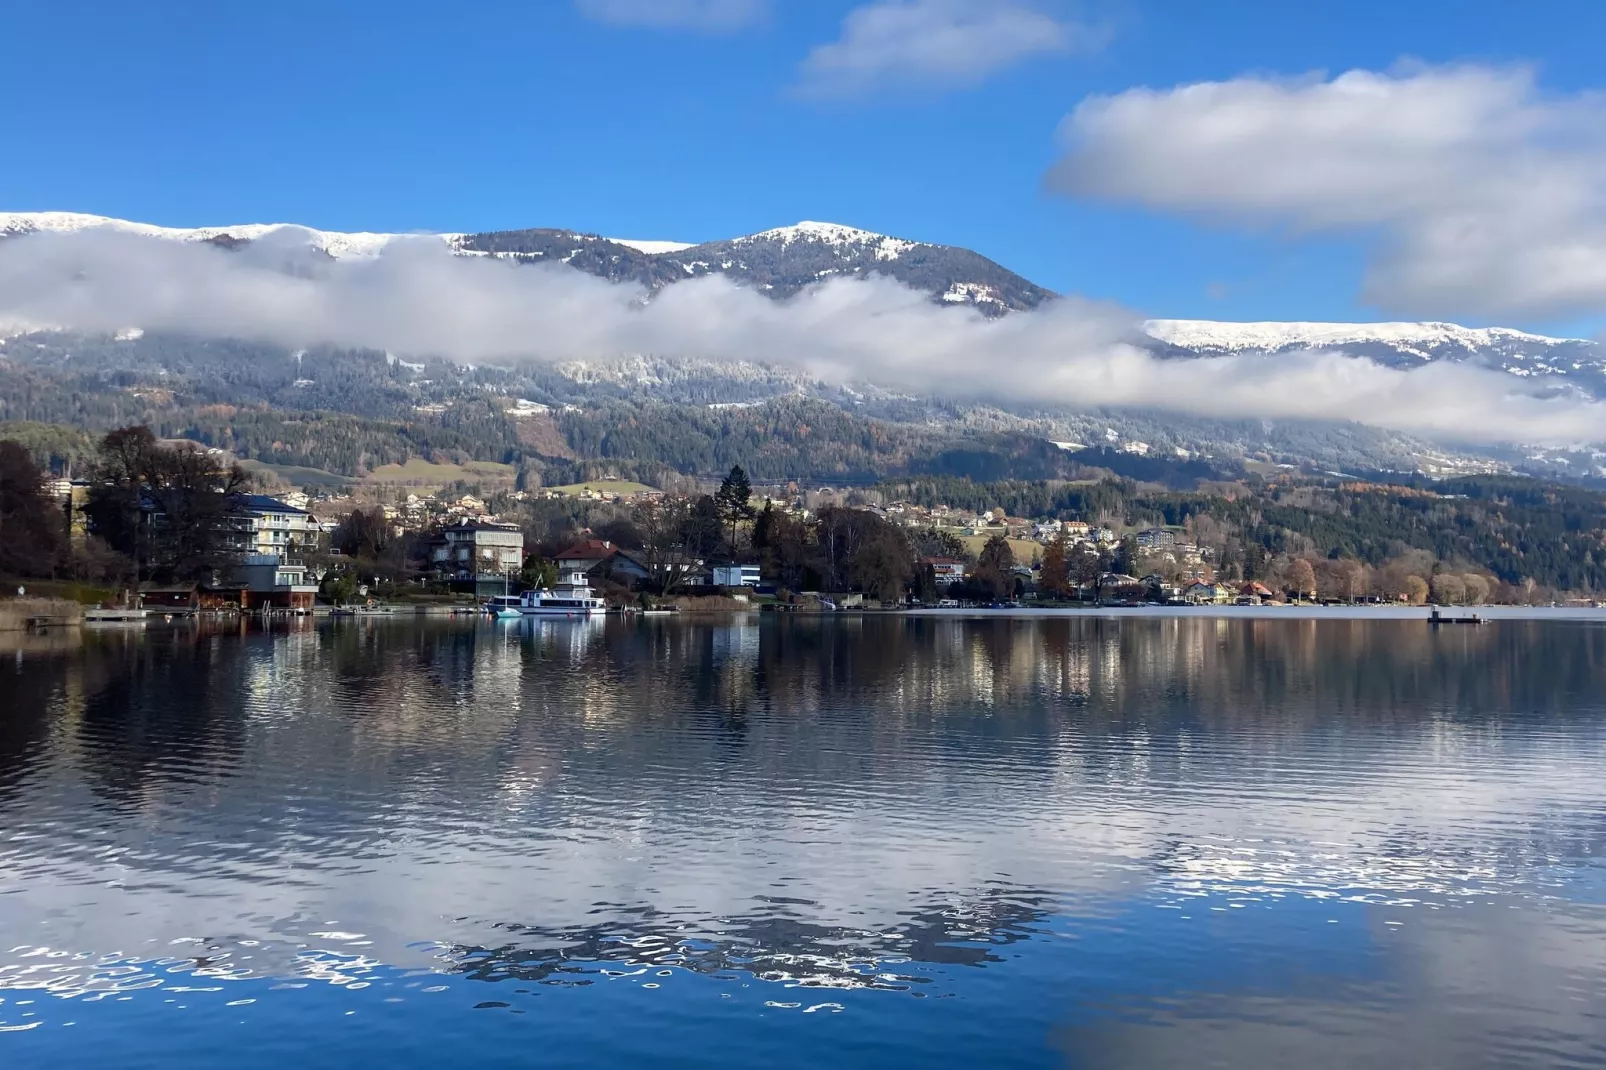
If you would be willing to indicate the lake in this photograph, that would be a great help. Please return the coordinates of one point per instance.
(1074, 841)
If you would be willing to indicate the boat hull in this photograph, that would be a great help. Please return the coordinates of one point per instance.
(555, 611)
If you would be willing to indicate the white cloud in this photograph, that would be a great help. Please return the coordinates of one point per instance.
(417, 298)
(705, 15)
(1483, 196)
(932, 43)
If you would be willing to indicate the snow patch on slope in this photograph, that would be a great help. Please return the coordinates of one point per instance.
(652, 248)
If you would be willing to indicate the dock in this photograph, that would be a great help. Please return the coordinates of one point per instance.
(1437, 618)
(115, 616)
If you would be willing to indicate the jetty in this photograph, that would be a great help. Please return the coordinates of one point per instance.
(1437, 618)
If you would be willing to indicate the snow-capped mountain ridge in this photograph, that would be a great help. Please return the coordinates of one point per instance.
(337, 244)
(834, 234)
(1274, 336)
(784, 261)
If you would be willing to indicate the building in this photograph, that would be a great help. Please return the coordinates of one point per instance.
(737, 576)
(1157, 539)
(267, 581)
(179, 597)
(585, 555)
(73, 495)
(948, 569)
(265, 526)
(1201, 593)
(601, 560)
(473, 548)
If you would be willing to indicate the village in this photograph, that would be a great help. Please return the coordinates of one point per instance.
(291, 551)
(171, 526)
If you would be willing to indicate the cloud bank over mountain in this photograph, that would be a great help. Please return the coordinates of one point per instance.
(1480, 194)
(417, 298)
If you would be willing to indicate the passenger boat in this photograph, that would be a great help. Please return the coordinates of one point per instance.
(505, 607)
(571, 596)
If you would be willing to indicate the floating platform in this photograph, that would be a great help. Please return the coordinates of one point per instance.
(1438, 618)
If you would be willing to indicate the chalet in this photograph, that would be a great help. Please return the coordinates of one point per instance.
(1201, 593)
(602, 560)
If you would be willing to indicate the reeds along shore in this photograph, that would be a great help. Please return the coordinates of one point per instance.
(18, 614)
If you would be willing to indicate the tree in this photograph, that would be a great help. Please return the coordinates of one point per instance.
(1448, 589)
(669, 532)
(32, 528)
(702, 532)
(734, 500)
(1477, 589)
(1126, 556)
(884, 564)
(1301, 578)
(1416, 590)
(170, 508)
(934, 542)
(764, 527)
(338, 588)
(538, 572)
(1055, 577)
(995, 567)
(364, 533)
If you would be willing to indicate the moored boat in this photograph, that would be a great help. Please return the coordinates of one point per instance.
(505, 607)
(571, 596)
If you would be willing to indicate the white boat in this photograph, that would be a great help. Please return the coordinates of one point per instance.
(505, 607)
(571, 596)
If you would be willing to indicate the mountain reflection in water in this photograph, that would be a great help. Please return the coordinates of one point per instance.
(1097, 841)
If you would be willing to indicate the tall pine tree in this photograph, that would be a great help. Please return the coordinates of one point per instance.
(734, 499)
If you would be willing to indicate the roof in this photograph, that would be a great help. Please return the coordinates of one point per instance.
(480, 525)
(261, 503)
(941, 561)
(589, 550)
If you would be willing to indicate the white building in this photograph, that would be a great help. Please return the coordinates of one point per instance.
(736, 576)
(266, 526)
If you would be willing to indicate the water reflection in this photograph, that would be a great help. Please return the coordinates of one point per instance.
(1098, 815)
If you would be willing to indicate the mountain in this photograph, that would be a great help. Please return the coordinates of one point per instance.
(779, 262)
(60, 375)
(1574, 361)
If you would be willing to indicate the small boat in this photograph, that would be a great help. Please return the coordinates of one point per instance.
(505, 607)
(571, 596)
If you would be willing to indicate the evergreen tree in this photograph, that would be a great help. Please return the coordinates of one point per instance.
(994, 567)
(734, 499)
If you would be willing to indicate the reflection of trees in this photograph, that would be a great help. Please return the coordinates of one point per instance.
(648, 709)
(774, 943)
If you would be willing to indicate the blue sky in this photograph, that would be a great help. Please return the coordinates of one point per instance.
(400, 116)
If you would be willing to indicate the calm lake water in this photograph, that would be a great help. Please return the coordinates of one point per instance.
(1072, 842)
